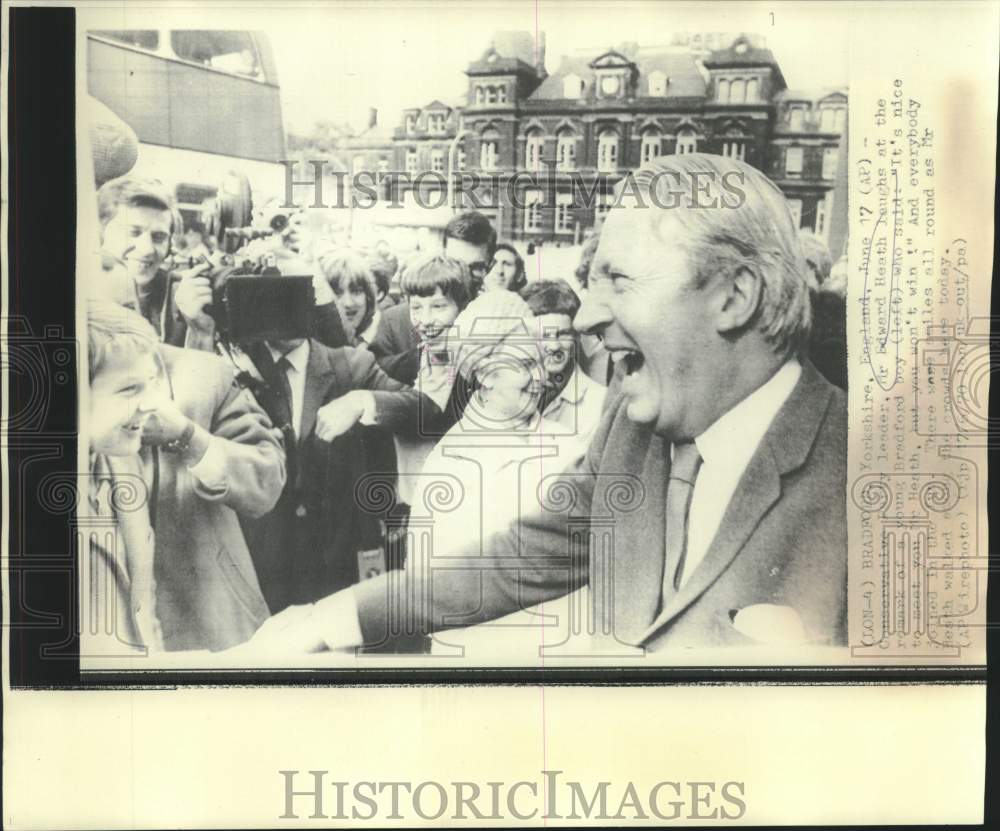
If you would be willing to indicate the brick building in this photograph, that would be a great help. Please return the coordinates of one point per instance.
(598, 116)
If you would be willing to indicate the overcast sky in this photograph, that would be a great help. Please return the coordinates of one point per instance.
(334, 62)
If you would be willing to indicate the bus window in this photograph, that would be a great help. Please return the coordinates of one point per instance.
(227, 51)
(139, 38)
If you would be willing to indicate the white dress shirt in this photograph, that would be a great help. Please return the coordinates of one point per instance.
(298, 359)
(726, 448)
(578, 407)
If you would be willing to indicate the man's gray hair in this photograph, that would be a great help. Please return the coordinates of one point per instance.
(735, 218)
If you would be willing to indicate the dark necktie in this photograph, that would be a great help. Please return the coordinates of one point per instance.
(683, 472)
(279, 403)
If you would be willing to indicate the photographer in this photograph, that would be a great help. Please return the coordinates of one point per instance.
(137, 222)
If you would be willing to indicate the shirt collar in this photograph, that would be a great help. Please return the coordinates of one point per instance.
(298, 357)
(575, 389)
(735, 435)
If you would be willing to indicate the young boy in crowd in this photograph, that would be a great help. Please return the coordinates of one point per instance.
(125, 376)
(571, 400)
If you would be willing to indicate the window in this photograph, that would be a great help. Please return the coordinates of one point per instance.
(411, 123)
(657, 84)
(822, 214)
(437, 160)
(724, 91)
(687, 142)
(460, 159)
(435, 123)
(830, 158)
(233, 52)
(491, 95)
(564, 213)
(532, 210)
(607, 151)
(737, 93)
(488, 154)
(480, 96)
(502, 95)
(793, 161)
(411, 160)
(753, 90)
(566, 150)
(796, 117)
(650, 147)
(139, 38)
(572, 86)
(734, 149)
(533, 150)
(795, 208)
(831, 119)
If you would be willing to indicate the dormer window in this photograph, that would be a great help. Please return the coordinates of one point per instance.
(435, 123)
(572, 86)
(796, 118)
(411, 123)
(657, 84)
(480, 96)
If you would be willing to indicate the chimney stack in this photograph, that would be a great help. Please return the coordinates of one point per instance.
(372, 117)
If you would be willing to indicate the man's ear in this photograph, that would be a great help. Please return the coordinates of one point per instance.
(741, 296)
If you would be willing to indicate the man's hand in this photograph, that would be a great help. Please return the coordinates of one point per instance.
(294, 631)
(193, 296)
(339, 416)
(168, 424)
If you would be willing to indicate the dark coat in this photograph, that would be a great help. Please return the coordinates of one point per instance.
(395, 333)
(782, 541)
(308, 545)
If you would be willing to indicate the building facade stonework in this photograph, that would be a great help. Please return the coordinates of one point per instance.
(561, 142)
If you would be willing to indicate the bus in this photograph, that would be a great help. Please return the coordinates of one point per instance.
(202, 103)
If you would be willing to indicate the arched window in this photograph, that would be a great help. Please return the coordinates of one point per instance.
(566, 150)
(501, 95)
(607, 151)
(687, 141)
(734, 145)
(753, 90)
(533, 146)
(489, 150)
(724, 91)
(650, 147)
(737, 93)
(491, 95)
(480, 95)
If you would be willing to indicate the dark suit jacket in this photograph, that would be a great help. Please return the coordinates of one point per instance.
(307, 546)
(395, 333)
(783, 539)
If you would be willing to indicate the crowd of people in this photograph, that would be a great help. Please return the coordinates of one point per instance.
(412, 433)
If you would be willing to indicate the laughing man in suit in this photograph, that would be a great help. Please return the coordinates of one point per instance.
(734, 445)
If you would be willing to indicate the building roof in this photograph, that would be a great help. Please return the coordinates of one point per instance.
(812, 96)
(511, 52)
(743, 53)
(684, 78)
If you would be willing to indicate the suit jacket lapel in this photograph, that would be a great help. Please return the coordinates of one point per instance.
(638, 551)
(318, 374)
(785, 447)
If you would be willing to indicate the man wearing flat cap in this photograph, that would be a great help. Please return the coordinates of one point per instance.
(730, 445)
